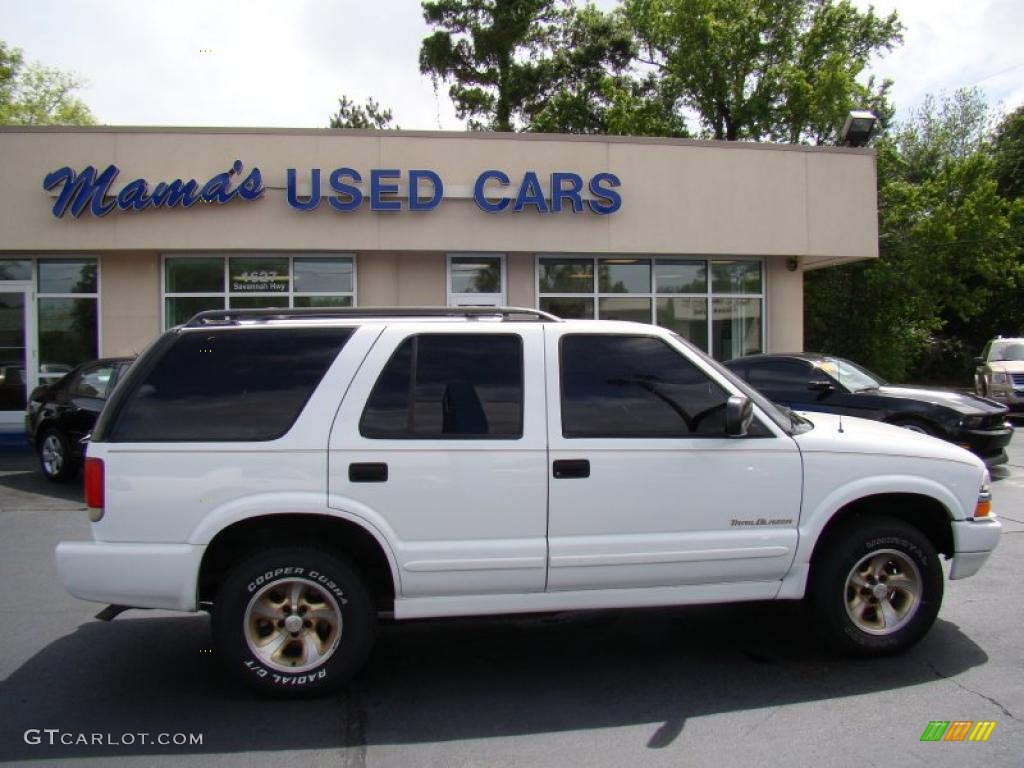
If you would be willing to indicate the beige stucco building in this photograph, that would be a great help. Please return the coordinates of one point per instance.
(709, 238)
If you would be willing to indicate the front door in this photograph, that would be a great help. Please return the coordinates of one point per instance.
(646, 488)
(16, 369)
(476, 280)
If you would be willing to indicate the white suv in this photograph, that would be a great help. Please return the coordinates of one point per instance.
(299, 474)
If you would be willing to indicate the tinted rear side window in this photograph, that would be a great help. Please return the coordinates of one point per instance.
(242, 385)
(453, 386)
(635, 386)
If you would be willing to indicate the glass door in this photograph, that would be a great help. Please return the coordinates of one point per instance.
(476, 279)
(15, 364)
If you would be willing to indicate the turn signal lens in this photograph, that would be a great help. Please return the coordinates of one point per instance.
(984, 506)
(94, 487)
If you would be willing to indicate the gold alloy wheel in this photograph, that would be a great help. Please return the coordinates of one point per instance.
(883, 592)
(293, 625)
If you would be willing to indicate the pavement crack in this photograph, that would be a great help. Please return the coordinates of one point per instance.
(354, 755)
(960, 685)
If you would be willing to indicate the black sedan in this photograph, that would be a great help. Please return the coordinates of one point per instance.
(812, 382)
(59, 415)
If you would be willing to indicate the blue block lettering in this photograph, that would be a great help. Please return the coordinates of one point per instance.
(378, 189)
(480, 193)
(353, 196)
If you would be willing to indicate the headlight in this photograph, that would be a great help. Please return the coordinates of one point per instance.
(972, 422)
(1000, 378)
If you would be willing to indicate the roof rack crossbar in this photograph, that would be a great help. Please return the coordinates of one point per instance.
(214, 317)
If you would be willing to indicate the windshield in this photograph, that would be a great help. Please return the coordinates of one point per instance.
(1006, 352)
(850, 375)
(783, 417)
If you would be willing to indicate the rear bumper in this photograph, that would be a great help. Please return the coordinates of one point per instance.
(973, 542)
(135, 575)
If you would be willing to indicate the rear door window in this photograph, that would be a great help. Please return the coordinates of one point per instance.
(449, 386)
(227, 385)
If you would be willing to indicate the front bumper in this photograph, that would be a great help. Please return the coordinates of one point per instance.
(135, 575)
(973, 542)
(988, 444)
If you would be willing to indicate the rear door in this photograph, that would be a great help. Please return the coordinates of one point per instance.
(646, 489)
(441, 439)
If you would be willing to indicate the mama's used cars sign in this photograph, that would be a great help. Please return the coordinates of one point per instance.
(348, 189)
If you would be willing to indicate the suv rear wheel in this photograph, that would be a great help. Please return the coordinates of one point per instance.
(876, 587)
(293, 622)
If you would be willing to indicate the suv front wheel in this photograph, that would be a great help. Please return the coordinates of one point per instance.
(876, 587)
(293, 622)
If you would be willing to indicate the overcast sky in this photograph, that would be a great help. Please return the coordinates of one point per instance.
(285, 62)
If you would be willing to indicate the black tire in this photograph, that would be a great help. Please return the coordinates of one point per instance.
(56, 460)
(249, 608)
(875, 545)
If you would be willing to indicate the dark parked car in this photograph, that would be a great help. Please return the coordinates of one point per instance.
(59, 415)
(812, 382)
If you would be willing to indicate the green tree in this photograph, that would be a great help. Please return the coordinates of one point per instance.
(588, 84)
(34, 94)
(785, 70)
(492, 52)
(949, 250)
(351, 115)
(1008, 153)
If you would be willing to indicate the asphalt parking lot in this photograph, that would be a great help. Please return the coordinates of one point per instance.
(722, 685)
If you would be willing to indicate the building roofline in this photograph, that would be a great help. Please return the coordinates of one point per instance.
(456, 135)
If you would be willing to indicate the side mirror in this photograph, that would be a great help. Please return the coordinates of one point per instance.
(739, 412)
(979, 361)
(821, 385)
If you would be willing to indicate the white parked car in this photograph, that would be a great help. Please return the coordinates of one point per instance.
(1000, 373)
(299, 474)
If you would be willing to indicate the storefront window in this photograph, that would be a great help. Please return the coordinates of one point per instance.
(736, 276)
(67, 276)
(476, 274)
(624, 275)
(567, 276)
(67, 313)
(737, 327)
(675, 293)
(15, 269)
(193, 284)
(194, 275)
(256, 275)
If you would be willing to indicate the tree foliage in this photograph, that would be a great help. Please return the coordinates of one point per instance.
(785, 70)
(492, 52)
(589, 84)
(1008, 154)
(950, 254)
(371, 115)
(34, 94)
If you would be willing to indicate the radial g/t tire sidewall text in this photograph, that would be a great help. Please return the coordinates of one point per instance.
(331, 574)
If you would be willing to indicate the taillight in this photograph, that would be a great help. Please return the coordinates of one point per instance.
(94, 488)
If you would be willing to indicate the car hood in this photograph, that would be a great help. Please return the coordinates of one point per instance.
(863, 436)
(1007, 366)
(968, 404)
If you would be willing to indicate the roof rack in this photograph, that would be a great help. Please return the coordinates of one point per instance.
(214, 317)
